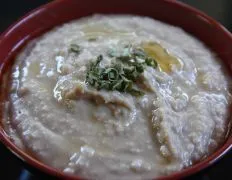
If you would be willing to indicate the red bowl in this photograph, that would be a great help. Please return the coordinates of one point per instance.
(57, 12)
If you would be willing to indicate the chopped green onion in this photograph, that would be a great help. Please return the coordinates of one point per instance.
(122, 75)
(75, 48)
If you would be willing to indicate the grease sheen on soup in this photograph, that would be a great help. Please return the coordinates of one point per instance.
(164, 118)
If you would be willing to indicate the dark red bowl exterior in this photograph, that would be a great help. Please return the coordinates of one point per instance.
(57, 12)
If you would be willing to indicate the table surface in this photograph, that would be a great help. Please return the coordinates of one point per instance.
(11, 10)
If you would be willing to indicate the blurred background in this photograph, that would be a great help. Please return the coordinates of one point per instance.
(220, 10)
(11, 10)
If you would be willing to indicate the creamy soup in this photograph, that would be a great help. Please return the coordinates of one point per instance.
(118, 97)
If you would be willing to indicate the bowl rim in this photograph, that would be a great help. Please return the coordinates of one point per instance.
(211, 159)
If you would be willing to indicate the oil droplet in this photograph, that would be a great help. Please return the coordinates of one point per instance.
(97, 30)
(33, 68)
(161, 55)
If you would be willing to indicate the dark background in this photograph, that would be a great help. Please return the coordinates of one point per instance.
(11, 10)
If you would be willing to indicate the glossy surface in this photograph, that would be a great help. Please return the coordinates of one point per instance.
(36, 23)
